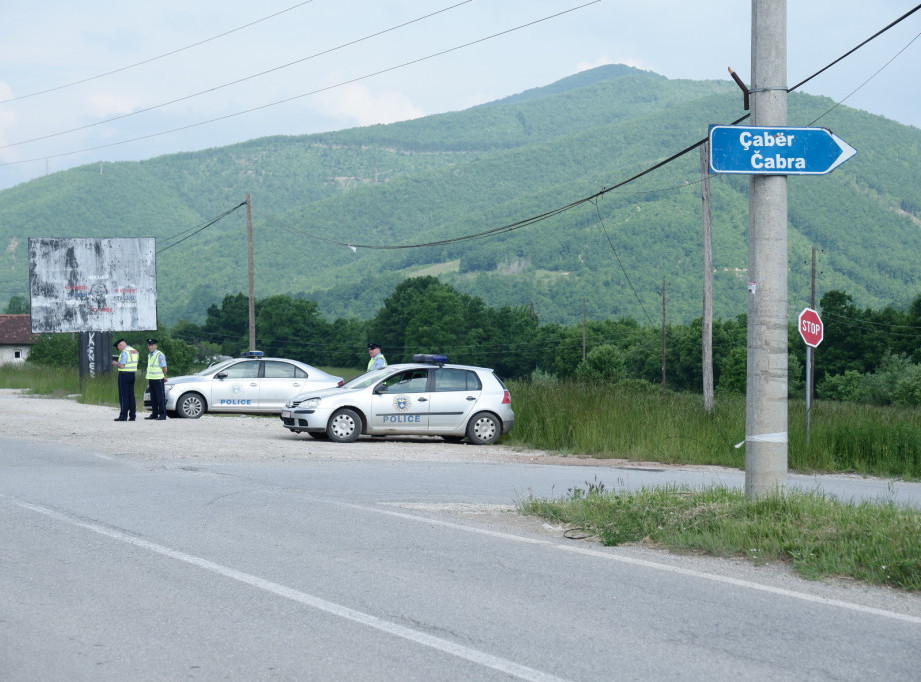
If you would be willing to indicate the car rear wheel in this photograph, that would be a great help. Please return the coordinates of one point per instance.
(484, 428)
(190, 406)
(344, 426)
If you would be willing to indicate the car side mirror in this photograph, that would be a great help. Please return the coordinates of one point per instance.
(380, 389)
(221, 375)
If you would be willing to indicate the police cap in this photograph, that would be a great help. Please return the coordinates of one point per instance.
(151, 342)
(115, 345)
(372, 346)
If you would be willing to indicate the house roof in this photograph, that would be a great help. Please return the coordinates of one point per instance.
(16, 330)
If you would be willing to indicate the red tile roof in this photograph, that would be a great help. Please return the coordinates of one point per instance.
(16, 330)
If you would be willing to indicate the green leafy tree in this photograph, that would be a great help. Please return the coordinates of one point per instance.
(733, 371)
(18, 305)
(291, 328)
(56, 350)
(603, 364)
(228, 325)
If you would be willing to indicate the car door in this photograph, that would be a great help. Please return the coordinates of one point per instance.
(280, 381)
(455, 393)
(236, 388)
(400, 403)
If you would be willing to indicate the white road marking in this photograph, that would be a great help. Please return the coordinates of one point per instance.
(656, 566)
(473, 655)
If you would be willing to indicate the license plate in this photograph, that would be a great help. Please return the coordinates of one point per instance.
(286, 414)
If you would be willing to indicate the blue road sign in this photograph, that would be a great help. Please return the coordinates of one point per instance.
(760, 150)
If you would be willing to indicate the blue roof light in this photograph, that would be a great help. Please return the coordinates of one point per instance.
(431, 359)
(252, 354)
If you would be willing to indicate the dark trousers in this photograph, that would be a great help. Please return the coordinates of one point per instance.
(157, 397)
(126, 400)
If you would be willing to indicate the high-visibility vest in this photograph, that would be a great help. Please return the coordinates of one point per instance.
(132, 364)
(378, 360)
(154, 370)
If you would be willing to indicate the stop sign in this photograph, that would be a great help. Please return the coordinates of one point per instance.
(810, 327)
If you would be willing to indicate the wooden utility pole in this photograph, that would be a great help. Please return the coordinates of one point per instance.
(707, 323)
(252, 275)
(766, 422)
(664, 386)
(584, 344)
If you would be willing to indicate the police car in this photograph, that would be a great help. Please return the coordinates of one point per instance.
(425, 397)
(250, 384)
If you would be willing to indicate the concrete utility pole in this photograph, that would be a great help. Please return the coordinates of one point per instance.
(707, 322)
(766, 398)
(664, 385)
(252, 275)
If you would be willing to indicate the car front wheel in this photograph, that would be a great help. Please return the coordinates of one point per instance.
(484, 428)
(344, 426)
(190, 406)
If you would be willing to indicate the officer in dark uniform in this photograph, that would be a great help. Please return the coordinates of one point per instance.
(127, 364)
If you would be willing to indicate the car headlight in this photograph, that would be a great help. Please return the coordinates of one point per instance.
(311, 403)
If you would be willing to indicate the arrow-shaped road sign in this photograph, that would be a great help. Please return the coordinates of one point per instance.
(761, 150)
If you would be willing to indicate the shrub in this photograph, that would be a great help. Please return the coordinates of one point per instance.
(603, 364)
(845, 387)
(56, 350)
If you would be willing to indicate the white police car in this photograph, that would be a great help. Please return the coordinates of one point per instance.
(425, 397)
(249, 384)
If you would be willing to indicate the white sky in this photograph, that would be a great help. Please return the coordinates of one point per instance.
(52, 43)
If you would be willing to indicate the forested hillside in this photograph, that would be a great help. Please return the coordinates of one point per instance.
(440, 178)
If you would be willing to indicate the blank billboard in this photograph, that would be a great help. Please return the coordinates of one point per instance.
(93, 285)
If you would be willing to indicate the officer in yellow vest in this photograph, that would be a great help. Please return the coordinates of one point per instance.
(156, 378)
(127, 364)
(377, 361)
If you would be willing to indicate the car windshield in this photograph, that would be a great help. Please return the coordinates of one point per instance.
(365, 380)
(213, 369)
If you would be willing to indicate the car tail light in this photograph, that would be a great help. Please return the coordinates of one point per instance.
(507, 398)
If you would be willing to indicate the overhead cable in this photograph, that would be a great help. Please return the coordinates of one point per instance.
(305, 94)
(234, 82)
(152, 59)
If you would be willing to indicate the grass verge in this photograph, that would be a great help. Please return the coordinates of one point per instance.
(878, 543)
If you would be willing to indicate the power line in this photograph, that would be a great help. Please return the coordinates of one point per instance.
(556, 211)
(305, 94)
(152, 59)
(234, 82)
(202, 228)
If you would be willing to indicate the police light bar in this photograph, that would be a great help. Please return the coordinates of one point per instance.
(252, 354)
(432, 359)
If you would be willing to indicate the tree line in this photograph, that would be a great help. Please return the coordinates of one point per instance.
(871, 356)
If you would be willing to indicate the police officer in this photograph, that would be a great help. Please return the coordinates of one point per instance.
(377, 360)
(156, 378)
(127, 364)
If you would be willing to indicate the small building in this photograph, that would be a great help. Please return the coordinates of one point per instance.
(16, 338)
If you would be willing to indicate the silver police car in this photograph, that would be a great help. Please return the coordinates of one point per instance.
(425, 397)
(249, 384)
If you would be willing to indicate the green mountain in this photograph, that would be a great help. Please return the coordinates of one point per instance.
(434, 180)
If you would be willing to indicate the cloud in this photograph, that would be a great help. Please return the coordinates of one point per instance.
(360, 105)
(107, 104)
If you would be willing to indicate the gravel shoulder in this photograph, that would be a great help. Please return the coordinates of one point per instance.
(233, 437)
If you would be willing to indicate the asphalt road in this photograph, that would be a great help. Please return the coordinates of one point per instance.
(344, 564)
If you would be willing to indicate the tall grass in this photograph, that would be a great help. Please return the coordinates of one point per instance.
(879, 543)
(638, 421)
(59, 382)
(40, 380)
